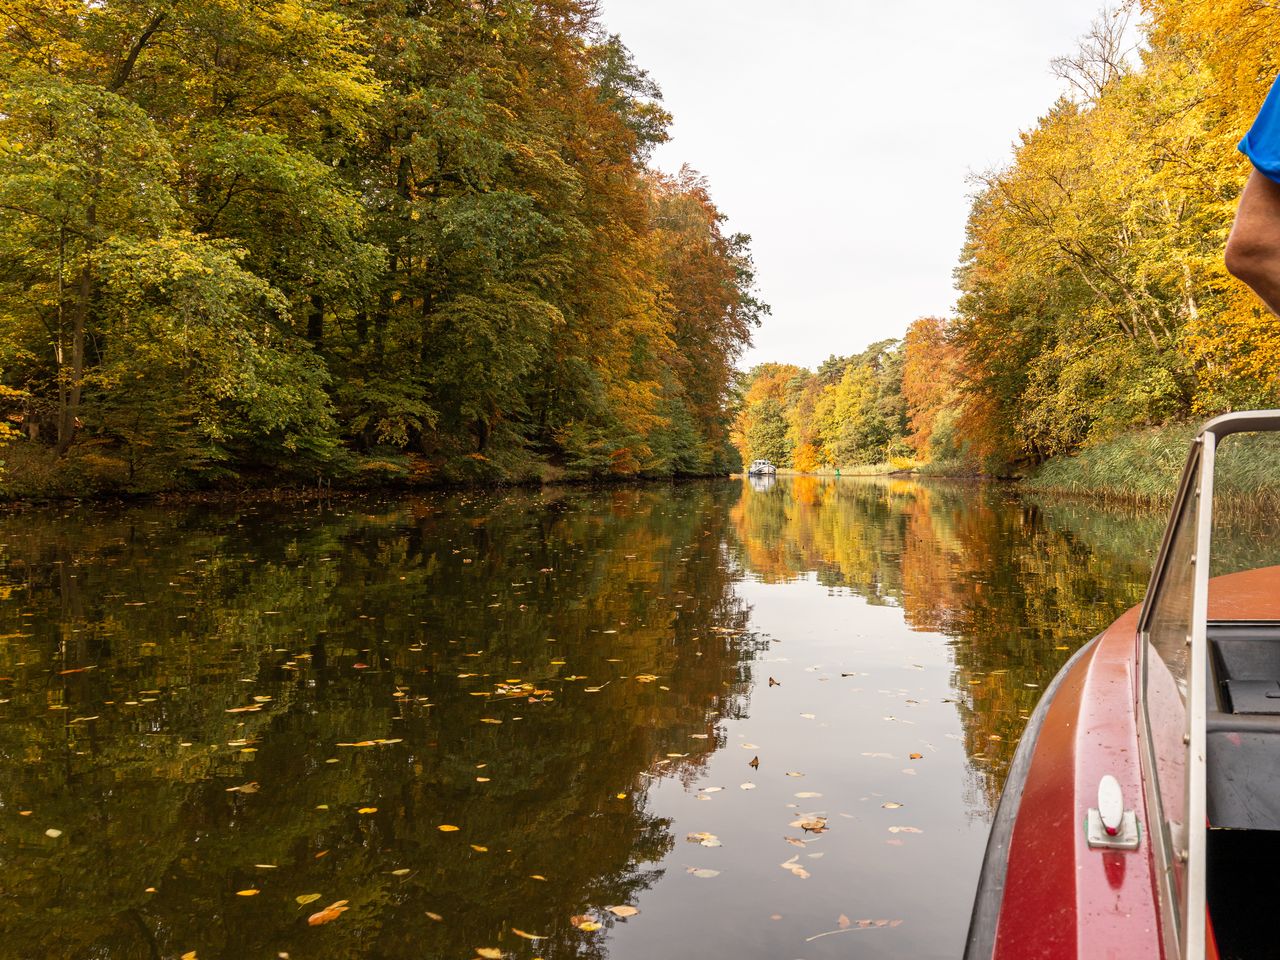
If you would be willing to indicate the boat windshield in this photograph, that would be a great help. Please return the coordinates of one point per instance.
(1166, 632)
(1210, 689)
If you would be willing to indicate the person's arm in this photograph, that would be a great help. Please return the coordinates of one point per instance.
(1253, 250)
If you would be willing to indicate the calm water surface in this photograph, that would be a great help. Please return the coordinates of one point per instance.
(774, 719)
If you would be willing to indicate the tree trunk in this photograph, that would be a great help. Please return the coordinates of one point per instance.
(315, 321)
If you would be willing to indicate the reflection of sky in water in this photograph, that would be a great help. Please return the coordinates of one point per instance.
(855, 751)
(606, 630)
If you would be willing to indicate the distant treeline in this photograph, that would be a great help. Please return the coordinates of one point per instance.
(398, 238)
(1093, 296)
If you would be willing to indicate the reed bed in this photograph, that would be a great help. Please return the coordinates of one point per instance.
(1142, 467)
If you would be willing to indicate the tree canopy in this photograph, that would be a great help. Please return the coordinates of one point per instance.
(301, 237)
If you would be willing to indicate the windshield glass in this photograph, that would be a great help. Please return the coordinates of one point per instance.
(1167, 627)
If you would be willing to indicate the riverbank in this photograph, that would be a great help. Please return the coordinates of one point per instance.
(31, 474)
(1143, 466)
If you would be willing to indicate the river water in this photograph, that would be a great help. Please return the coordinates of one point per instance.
(760, 720)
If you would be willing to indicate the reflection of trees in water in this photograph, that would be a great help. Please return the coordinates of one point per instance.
(361, 621)
(1017, 585)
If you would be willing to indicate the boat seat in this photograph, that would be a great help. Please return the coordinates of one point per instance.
(1243, 726)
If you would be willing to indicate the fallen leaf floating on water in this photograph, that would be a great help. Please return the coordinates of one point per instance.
(623, 911)
(706, 839)
(808, 795)
(891, 805)
(795, 841)
(710, 789)
(746, 786)
(584, 921)
(905, 830)
(703, 873)
(528, 936)
(754, 763)
(774, 683)
(447, 828)
(808, 716)
(479, 849)
(811, 824)
(435, 916)
(331, 912)
(842, 922)
(916, 756)
(489, 953)
(251, 787)
(793, 773)
(402, 872)
(367, 810)
(247, 893)
(306, 898)
(53, 833)
(795, 868)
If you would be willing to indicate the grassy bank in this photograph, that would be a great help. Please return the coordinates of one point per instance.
(32, 473)
(1143, 467)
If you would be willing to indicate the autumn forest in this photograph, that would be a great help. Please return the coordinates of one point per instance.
(1092, 296)
(397, 240)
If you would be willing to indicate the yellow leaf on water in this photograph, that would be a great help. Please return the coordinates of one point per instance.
(189, 955)
(536, 876)
(584, 922)
(367, 810)
(306, 898)
(435, 916)
(53, 833)
(331, 912)
(623, 911)
(247, 893)
(479, 849)
(446, 828)
(528, 936)
(489, 953)
(402, 872)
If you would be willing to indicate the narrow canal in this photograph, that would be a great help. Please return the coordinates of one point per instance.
(708, 720)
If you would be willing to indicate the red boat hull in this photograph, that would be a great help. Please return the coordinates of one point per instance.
(1044, 893)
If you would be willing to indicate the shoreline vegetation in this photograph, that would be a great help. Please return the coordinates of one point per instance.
(1095, 315)
(402, 246)
(264, 243)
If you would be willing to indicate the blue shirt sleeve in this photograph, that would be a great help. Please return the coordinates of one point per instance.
(1262, 143)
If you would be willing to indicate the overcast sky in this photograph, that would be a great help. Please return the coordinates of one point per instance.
(841, 134)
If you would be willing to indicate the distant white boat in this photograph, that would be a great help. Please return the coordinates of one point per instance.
(761, 468)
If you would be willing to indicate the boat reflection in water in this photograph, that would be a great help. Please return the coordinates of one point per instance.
(1141, 815)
